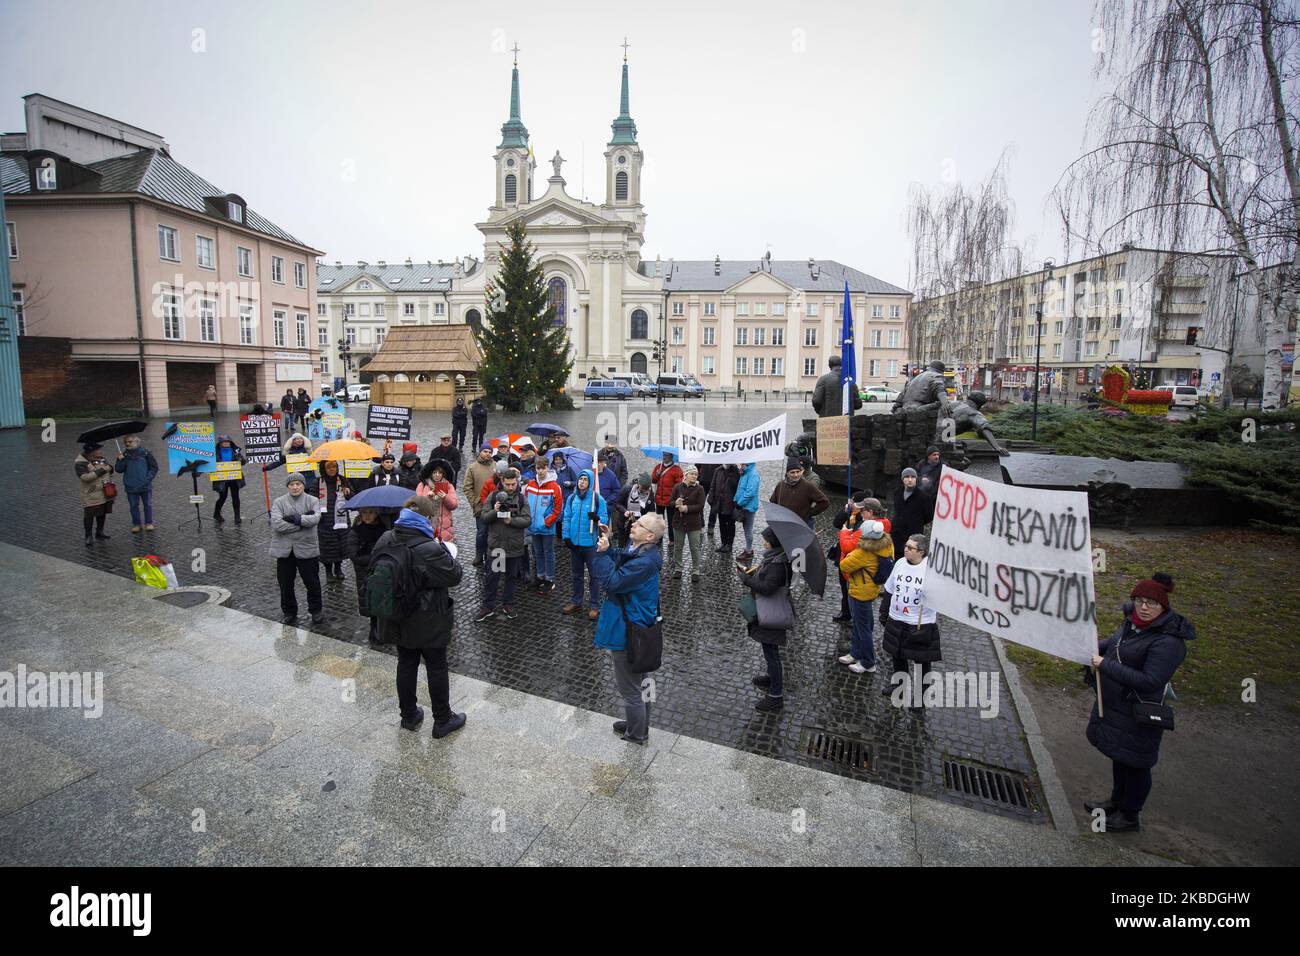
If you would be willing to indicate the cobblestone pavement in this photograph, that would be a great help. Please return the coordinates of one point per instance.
(703, 689)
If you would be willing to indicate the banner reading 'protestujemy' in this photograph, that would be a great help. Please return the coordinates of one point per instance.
(766, 442)
(1015, 562)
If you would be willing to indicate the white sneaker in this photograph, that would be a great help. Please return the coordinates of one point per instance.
(848, 659)
(859, 669)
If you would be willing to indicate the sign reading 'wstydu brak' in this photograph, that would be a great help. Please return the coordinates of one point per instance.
(1016, 562)
(766, 442)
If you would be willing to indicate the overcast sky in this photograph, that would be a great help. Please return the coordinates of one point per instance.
(367, 130)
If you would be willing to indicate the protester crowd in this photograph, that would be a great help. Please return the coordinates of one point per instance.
(618, 530)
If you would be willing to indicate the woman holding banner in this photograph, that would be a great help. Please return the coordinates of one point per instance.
(227, 450)
(1135, 665)
(332, 531)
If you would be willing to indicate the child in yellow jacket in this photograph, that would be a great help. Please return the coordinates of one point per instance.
(867, 557)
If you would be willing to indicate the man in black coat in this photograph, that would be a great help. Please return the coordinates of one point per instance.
(478, 415)
(425, 633)
(459, 418)
(911, 510)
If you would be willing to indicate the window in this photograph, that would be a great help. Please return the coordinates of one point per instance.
(245, 261)
(676, 364)
(203, 253)
(810, 337)
(1094, 325)
(760, 308)
(350, 336)
(235, 211)
(277, 327)
(47, 175)
(247, 328)
(742, 308)
(759, 365)
(300, 275)
(440, 308)
(207, 320)
(873, 368)
(11, 236)
(167, 244)
(171, 309)
(364, 286)
(709, 308)
(877, 311)
(679, 337)
(1117, 322)
(895, 311)
(323, 336)
(809, 367)
(742, 336)
(512, 188)
(708, 365)
(895, 337)
(778, 336)
(324, 365)
(408, 309)
(379, 309)
(1119, 270)
(708, 335)
(1112, 347)
(678, 308)
(1119, 298)
(322, 309)
(778, 308)
(349, 310)
(893, 367)
(1089, 349)
(620, 186)
(811, 310)
(640, 324)
(875, 338)
(300, 320)
(277, 269)
(380, 335)
(742, 365)
(1058, 328)
(778, 366)
(760, 336)
(1056, 350)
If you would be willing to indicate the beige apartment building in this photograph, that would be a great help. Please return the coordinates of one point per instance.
(137, 281)
(1167, 317)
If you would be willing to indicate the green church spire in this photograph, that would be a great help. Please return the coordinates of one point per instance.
(513, 131)
(624, 127)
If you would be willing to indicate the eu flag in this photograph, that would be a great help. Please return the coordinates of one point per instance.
(848, 363)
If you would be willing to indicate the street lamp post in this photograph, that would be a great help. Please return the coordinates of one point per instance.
(661, 350)
(1048, 264)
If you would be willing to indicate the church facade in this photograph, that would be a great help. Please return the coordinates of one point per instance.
(730, 323)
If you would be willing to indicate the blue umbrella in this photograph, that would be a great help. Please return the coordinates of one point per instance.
(575, 458)
(542, 429)
(658, 451)
(384, 497)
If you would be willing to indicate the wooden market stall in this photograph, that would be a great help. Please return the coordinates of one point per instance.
(426, 367)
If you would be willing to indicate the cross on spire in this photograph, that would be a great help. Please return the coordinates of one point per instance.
(516, 52)
(625, 45)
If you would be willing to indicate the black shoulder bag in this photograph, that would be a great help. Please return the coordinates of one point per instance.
(644, 643)
(1158, 715)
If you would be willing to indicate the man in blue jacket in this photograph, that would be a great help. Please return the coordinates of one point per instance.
(583, 534)
(630, 577)
(139, 466)
(746, 502)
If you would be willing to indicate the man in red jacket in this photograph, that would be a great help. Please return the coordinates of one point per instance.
(666, 476)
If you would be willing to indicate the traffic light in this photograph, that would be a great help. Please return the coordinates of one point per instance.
(1192, 331)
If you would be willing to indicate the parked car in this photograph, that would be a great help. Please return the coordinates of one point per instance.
(1185, 395)
(606, 388)
(358, 393)
(879, 393)
(640, 382)
(680, 384)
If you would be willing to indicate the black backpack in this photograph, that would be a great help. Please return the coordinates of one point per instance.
(391, 590)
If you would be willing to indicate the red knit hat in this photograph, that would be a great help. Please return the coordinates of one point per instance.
(1153, 590)
(410, 446)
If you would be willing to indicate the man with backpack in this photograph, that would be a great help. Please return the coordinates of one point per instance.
(406, 591)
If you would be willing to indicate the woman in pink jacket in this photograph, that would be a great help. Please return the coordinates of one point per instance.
(434, 485)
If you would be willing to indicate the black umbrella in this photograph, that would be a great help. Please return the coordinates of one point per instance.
(112, 430)
(800, 543)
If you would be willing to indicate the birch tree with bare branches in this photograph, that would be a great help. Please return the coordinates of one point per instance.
(1192, 149)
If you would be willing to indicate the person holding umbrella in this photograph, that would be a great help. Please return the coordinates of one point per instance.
(138, 466)
(94, 473)
(361, 539)
(770, 578)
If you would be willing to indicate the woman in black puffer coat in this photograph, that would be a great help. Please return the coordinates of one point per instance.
(1135, 664)
(771, 577)
(332, 532)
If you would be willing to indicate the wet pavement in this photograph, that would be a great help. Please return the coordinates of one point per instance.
(703, 690)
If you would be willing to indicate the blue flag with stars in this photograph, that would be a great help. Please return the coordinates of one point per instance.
(848, 363)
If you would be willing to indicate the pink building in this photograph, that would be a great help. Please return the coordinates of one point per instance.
(137, 282)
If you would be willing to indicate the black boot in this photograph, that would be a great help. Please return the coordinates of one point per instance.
(1121, 821)
(761, 680)
(1107, 806)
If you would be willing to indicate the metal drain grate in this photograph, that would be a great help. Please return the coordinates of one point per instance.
(988, 784)
(841, 751)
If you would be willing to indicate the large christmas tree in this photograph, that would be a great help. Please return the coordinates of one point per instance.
(525, 353)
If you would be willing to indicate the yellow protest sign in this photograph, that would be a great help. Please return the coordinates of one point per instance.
(226, 471)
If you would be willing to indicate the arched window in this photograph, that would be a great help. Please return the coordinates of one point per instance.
(638, 362)
(640, 325)
(558, 299)
(474, 319)
(511, 187)
(620, 186)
